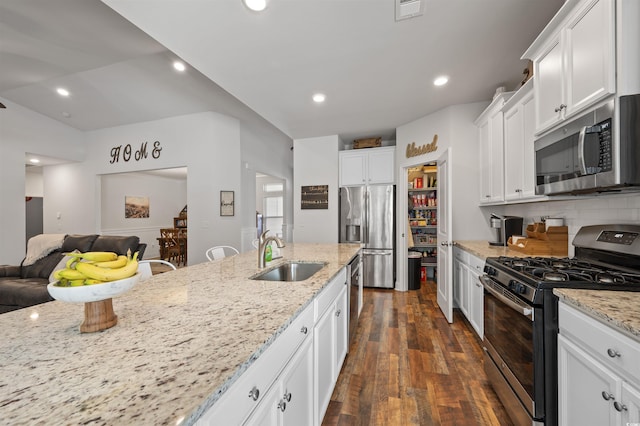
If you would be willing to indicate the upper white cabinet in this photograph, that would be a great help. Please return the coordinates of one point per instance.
(519, 122)
(573, 61)
(491, 129)
(367, 166)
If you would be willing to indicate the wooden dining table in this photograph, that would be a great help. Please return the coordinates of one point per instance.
(173, 248)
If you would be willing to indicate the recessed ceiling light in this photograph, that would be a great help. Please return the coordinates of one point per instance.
(441, 81)
(34, 160)
(65, 114)
(256, 5)
(179, 66)
(62, 92)
(319, 97)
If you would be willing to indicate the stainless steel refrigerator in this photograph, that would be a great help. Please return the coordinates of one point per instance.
(367, 216)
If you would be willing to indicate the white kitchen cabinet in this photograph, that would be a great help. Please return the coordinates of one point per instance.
(367, 166)
(330, 348)
(519, 122)
(282, 386)
(573, 61)
(470, 293)
(491, 133)
(290, 400)
(598, 372)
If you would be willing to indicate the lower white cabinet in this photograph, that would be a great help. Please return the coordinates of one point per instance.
(330, 348)
(598, 380)
(291, 382)
(468, 290)
(290, 400)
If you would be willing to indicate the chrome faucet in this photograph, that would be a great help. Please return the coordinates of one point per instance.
(263, 242)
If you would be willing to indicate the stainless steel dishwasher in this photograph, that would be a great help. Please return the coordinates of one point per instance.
(353, 271)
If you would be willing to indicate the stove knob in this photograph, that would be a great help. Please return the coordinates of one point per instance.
(517, 287)
(490, 271)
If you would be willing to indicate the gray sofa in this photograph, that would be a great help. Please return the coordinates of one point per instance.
(23, 286)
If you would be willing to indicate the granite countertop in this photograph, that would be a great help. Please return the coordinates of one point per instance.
(483, 250)
(182, 337)
(618, 309)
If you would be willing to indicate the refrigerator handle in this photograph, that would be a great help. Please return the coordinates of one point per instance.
(366, 216)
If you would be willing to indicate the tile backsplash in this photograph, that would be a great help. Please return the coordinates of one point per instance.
(579, 211)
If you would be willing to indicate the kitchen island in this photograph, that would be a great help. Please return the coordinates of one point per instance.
(183, 337)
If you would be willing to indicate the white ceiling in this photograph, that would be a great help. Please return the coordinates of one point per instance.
(377, 73)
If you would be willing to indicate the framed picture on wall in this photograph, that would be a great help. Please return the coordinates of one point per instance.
(314, 197)
(136, 207)
(226, 203)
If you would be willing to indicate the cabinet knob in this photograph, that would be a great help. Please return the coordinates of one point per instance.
(619, 407)
(254, 393)
(613, 353)
(560, 108)
(304, 330)
(607, 396)
(338, 312)
(282, 405)
(287, 396)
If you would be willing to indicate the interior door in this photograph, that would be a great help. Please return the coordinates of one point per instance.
(445, 241)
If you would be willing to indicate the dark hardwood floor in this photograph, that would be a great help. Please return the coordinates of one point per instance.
(409, 366)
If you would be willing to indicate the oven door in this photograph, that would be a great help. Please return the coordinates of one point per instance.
(513, 345)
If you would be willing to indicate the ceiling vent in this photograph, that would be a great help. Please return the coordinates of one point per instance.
(406, 9)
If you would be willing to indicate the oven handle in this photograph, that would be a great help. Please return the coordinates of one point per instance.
(523, 310)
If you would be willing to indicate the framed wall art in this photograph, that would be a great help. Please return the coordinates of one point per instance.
(136, 207)
(226, 203)
(314, 197)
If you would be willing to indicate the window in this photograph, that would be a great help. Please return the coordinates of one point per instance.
(273, 207)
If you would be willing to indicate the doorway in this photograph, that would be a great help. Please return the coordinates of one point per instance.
(270, 212)
(422, 198)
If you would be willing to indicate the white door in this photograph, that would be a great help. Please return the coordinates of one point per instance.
(445, 241)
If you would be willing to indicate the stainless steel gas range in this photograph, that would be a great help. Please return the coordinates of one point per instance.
(521, 314)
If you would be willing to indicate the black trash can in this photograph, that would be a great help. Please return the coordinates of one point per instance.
(415, 259)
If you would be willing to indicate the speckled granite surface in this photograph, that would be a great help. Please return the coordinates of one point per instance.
(618, 309)
(483, 250)
(181, 336)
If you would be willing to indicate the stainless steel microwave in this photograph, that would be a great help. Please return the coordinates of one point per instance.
(597, 152)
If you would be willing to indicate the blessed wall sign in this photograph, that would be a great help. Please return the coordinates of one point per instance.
(414, 151)
(127, 152)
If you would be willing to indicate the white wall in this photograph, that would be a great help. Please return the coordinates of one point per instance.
(22, 131)
(34, 186)
(207, 143)
(456, 131)
(316, 163)
(264, 150)
(167, 196)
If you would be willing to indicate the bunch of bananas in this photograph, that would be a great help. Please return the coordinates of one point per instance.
(95, 267)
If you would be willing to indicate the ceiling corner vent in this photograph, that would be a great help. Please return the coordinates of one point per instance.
(406, 9)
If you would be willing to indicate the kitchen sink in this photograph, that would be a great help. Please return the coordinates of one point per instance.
(290, 271)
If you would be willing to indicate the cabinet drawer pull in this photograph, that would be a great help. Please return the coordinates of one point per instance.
(304, 330)
(619, 407)
(613, 353)
(254, 393)
(607, 396)
(338, 312)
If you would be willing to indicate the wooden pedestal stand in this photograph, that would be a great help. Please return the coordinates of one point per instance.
(98, 316)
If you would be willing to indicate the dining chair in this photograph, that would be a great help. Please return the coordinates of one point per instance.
(144, 267)
(219, 252)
